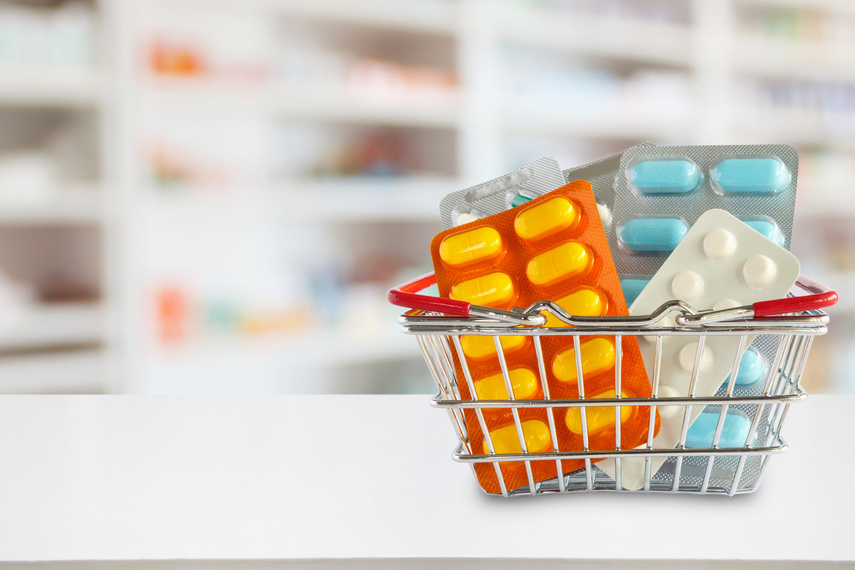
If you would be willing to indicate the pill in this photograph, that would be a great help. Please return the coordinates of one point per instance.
(723, 304)
(506, 439)
(597, 355)
(668, 412)
(768, 229)
(523, 382)
(752, 369)
(632, 288)
(559, 263)
(599, 417)
(719, 244)
(668, 177)
(687, 357)
(755, 176)
(653, 235)
(464, 218)
(585, 302)
(519, 200)
(471, 246)
(479, 347)
(492, 290)
(759, 271)
(733, 432)
(546, 219)
(605, 215)
(687, 286)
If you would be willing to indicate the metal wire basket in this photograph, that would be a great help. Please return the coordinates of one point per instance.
(784, 329)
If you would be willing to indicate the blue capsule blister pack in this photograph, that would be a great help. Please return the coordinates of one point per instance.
(660, 191)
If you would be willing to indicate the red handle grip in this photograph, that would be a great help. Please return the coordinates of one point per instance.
(406, 296)
(821, 296)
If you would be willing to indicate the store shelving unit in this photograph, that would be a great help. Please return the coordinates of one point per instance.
(55, 343)
(467, 135)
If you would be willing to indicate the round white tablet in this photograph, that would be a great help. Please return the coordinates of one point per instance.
(687, 357)
(759, 271)
(465, 219)
(687, 286)
(605, 215)
(668, 412)
(719, 244)
(723, 304)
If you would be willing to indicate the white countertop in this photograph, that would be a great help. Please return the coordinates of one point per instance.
(353, 477)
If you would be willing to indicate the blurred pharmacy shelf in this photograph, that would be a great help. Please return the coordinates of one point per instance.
(595, 36)
(54, 325)
(62, 206)
(349, 120)
(834, 7)
(50, 87)
(412, 199)
(69, 372)
(195, 96)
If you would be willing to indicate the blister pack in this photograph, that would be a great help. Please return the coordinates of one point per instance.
(720, 263)
(551, 248)
(497, 195)
(660, 191)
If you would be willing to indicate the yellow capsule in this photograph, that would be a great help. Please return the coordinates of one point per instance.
(478, 347)
(506, 440)
(599, 417)
(493, 290)
(563, 262)
(598, 355)
(523, 382)
(585, 302)
(546, 219)
(471, 247)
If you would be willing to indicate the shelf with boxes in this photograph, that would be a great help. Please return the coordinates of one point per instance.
(54, 223)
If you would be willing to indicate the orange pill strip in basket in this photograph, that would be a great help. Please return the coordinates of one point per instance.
(552, 248)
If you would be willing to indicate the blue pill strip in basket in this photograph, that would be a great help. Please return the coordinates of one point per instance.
(660, 191)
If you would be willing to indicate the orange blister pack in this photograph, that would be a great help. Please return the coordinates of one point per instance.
(552, 248)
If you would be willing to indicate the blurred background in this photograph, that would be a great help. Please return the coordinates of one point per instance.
(213, 196)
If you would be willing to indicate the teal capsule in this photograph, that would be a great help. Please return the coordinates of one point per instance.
(632, 288)
(752, 369)
(768, 228)
(733, 433)
(519, 200)
(754, 176)
(653, 235)
(665, 177)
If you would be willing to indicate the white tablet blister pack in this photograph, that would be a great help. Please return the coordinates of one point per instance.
(720, 263)
(660, 191)
(497, 195)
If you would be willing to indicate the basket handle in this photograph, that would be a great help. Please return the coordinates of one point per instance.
(820, 297)
(407, 296)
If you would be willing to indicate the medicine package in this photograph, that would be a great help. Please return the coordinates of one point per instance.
(720, 263)
(552, 247)
(660, 191)
(497, 195)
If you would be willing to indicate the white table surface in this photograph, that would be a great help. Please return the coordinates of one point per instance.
(122, 478)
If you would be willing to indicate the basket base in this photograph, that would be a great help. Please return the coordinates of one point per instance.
(692, 472)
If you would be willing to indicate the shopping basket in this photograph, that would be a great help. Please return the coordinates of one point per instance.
(784, 329)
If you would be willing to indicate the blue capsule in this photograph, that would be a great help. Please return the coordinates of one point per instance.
(768, 228)
(752, 369)
(733, 433)
(753, 176)
(632, 288)
(653, 235)
(665, 177)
